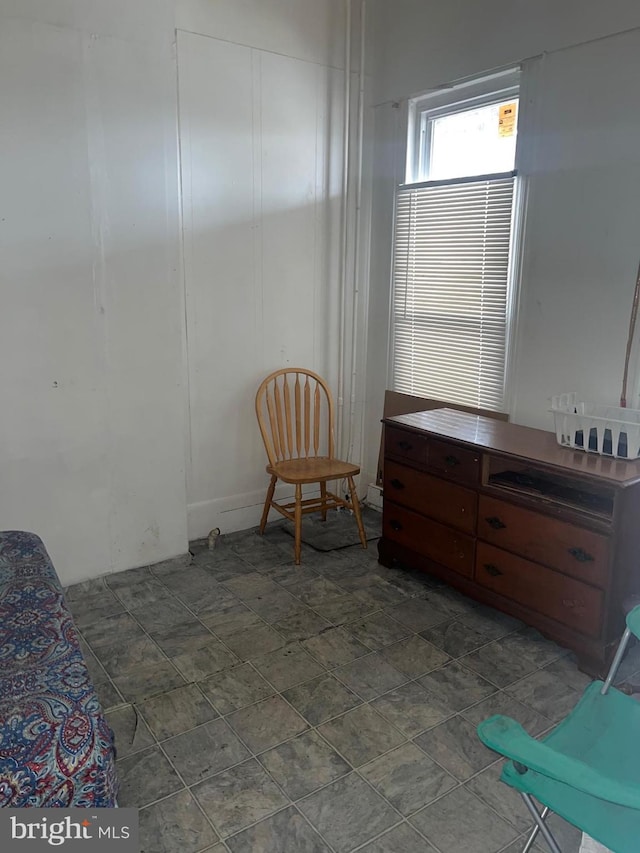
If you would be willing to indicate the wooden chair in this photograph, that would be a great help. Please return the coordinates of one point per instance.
(295, 414)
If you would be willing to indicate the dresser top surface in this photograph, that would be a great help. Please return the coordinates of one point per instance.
(535, 445)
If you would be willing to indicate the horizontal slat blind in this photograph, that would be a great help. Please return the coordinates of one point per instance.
(450, 289)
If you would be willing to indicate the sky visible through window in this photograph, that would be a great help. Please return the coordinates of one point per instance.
(478, 141)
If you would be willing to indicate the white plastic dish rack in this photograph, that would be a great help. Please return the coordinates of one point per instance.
(607, 430)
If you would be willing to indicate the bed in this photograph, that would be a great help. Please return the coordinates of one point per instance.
(56, 748)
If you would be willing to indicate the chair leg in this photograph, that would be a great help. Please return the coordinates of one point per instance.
(535, 831)
(355, 503)
(542, 826)
(617, 660)
(323, 498)
(298, 523)
(267, 503)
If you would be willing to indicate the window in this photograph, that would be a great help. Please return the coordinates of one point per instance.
(453, 246)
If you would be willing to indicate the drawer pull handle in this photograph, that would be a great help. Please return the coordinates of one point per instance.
(580, 555)
(395, 525)
(492, 569)
(572, 603)
(405, 445)
(495, 522)
(397, 484)
(452, 461)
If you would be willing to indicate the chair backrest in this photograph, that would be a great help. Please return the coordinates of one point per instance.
(295, 413)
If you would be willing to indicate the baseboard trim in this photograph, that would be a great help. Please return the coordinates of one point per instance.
(374, 497)
(236, 512)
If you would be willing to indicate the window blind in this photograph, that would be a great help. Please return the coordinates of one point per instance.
(450, 290)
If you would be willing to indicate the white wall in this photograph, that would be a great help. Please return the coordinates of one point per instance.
(581, 108)
(420, 45)
(311, 30)
(261, 118)
(108, 398)
(92, 451)
(127, 366)
(582, 241)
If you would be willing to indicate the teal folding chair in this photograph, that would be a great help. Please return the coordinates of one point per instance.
(587, 770)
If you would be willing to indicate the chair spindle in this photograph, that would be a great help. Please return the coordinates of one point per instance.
(273, 423)
(298, 415)
(287, 414)
(316, 421)
(307, 417)
(280, 418)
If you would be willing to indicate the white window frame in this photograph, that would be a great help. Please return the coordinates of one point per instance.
(492, 88)
(455, 99)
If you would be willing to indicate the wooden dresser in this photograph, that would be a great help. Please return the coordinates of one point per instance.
(506, 515)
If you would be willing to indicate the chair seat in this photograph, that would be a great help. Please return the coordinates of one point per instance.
(312, 470)
(604, 733)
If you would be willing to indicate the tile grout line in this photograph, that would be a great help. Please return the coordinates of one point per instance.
(196, 616)
(256, 756)
(366, 701)
(178, 774)
(193, 797)
(106, 675)
(131, 614)
(252, 756)
(345, 625)
(353, 770)
(332, 672)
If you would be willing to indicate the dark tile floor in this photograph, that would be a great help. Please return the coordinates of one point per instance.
(261, 707)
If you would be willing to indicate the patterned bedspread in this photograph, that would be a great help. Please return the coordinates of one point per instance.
(56, 749)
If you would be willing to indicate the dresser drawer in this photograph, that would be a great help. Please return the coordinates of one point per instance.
(404, 444)
(437, 498)
(571, 549)
(429, 538)
(564, 599)
(453, 461)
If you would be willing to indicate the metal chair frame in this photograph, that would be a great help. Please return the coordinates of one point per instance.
(540, 817)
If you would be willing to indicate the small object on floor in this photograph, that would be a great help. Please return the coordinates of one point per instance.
(213, 538)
